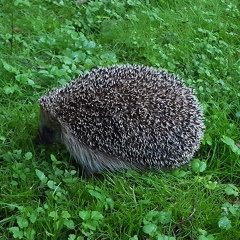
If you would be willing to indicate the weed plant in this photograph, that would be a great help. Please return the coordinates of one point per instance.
(43, 44)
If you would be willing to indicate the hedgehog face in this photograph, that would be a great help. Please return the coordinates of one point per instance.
(46, 136)
(49, 130)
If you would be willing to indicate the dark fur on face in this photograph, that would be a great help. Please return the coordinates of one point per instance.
(46, 136)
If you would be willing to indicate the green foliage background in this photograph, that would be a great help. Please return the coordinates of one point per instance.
(43, 44)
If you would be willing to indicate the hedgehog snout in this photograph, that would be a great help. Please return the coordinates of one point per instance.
(46, 136)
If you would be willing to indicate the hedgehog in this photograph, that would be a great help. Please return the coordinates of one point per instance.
(124, 117)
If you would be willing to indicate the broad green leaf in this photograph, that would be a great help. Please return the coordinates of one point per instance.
(198, 166)
(230, 142)
(150, 229)
(22, 222)
(232, 190)
(54, 215)
(224, 223)
(66, 215)
(41, 176)
(17, 233)
(96, 194)
(69, 223)
(28, 155)
(96, 215)
(84, 215)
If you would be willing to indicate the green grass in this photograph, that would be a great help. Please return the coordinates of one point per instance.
(43, 44)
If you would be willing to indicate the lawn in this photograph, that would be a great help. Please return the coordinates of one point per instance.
(44, 44)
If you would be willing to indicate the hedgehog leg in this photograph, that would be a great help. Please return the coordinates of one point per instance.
(83, 173)
(88, 175)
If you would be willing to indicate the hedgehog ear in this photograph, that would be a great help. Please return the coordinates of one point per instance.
(46, 136)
